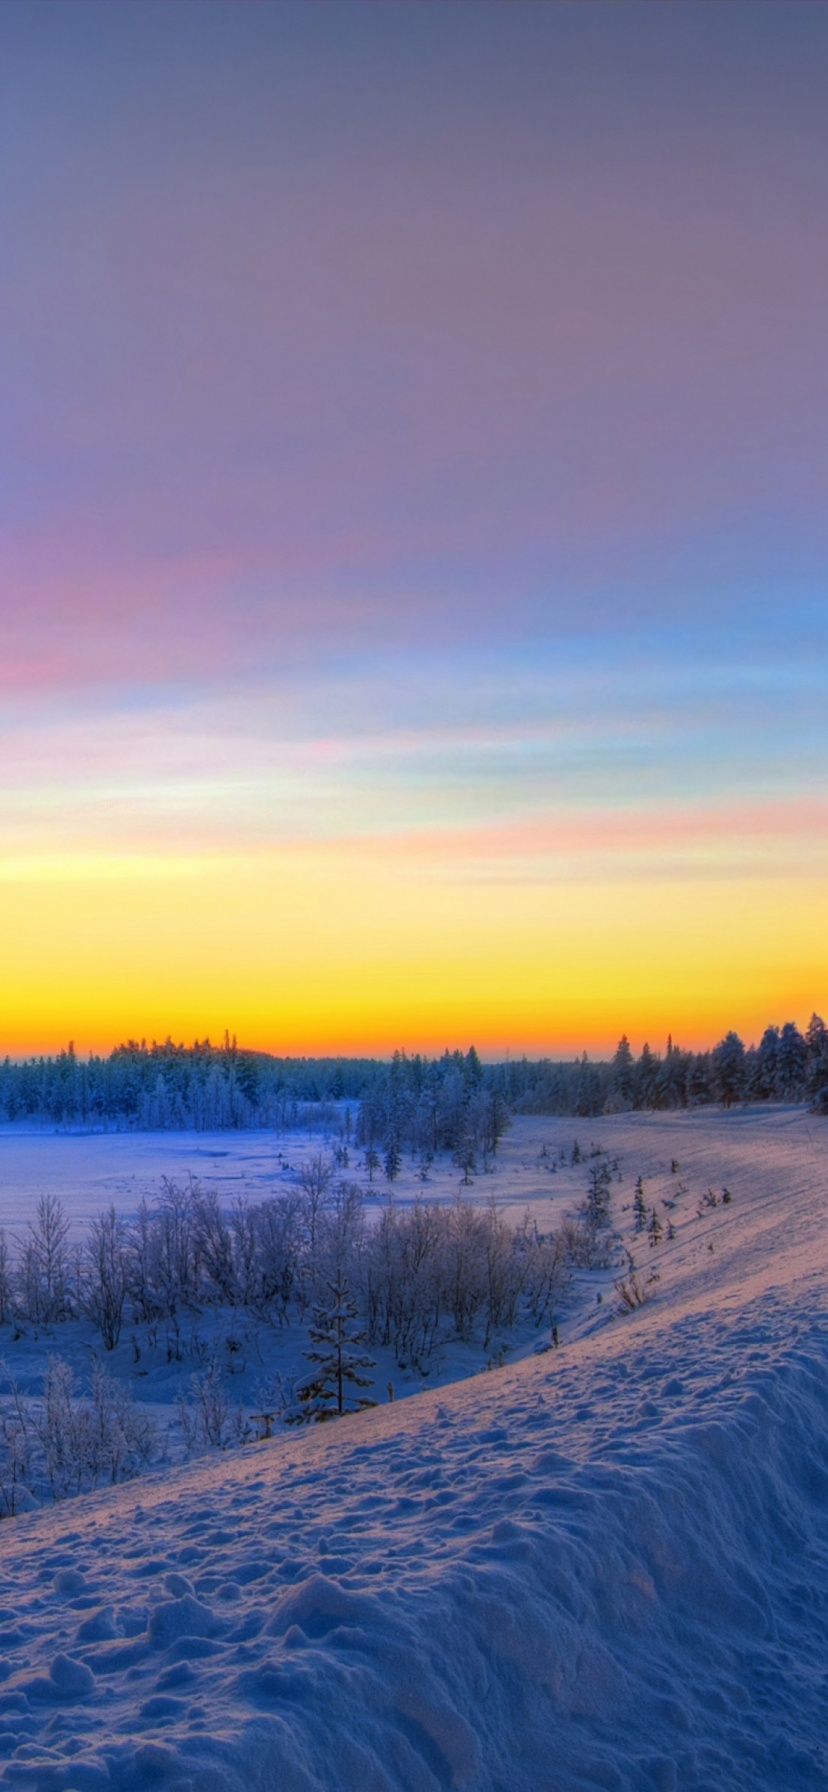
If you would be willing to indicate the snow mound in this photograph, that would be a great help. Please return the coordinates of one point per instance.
(606, 1572)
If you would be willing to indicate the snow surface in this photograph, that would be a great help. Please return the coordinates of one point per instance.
(605, 1566)
(93, 1170)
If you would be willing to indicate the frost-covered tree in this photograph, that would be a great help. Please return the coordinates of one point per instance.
(465, 1153)
(505, 1274)
(790, 1071)
(270, 1244)
(597, 1206)
(207, 1417)
(765, 1065)
(646, 1079)
(589, 1089)
(623, 1073)
(105, 1277)
(212, 1245)
(546, 1271)
(81, 1443)
(315, 1178)
(45, 1266)
(728, 1067)
(816, 1041)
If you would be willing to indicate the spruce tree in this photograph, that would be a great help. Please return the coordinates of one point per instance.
(596, 1208)
(623, 1073)
(336, 1337)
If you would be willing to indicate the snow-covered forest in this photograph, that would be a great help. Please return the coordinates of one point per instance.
(412, 1099)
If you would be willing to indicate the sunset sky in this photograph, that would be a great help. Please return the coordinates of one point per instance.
(413, 522)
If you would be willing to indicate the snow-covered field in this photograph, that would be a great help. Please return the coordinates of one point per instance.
(90, 1171)
(605, 1566)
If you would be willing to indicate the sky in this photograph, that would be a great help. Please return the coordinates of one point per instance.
(413, 523)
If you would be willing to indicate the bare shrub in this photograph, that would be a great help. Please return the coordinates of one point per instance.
(104, 1287)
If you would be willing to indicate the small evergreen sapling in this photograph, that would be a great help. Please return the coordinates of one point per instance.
(596, 1221)
(598, 1198)
(335, 1337)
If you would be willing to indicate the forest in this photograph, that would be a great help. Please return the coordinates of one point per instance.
(413, 1102)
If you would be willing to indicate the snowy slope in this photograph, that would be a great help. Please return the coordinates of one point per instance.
(606, 1566)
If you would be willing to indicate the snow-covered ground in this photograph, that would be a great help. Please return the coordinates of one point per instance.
(92, 1170)
(605, 1566)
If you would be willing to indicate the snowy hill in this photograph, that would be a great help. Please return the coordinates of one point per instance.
(605, 1566)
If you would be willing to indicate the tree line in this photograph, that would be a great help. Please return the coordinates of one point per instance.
(412, 1103)
(172, 1086)
(786, 1065)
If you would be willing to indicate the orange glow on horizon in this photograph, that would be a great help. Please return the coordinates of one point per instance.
(352, 949)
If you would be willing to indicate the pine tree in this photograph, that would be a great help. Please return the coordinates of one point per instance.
(640, 1206)
(655, 1229)
(727, 1063)
(816, 1040)
(766, 1063)
(646, 1079)
(791, 1062)
(596, 1210)
(335, 1336)
(623, 1072)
